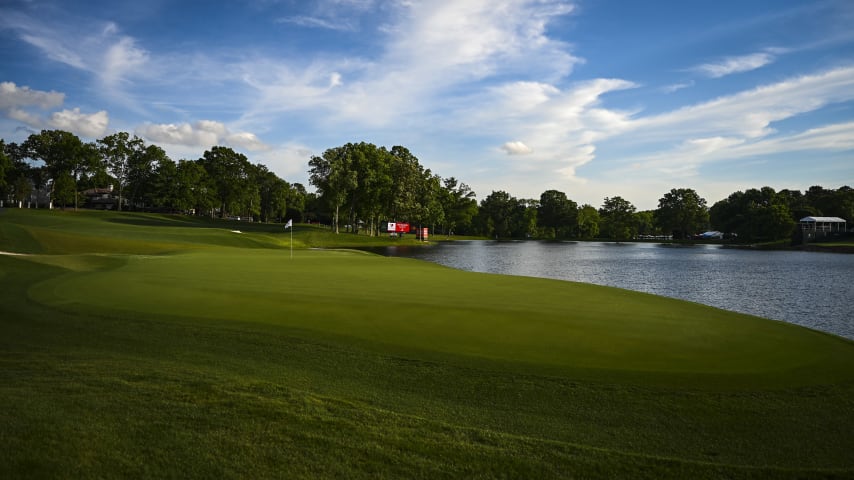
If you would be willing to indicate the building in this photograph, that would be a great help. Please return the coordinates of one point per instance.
(815, 228)
(102, 198)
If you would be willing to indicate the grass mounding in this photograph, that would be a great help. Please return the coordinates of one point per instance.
(166, 346)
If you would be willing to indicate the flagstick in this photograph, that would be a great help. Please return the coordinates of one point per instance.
(292, 242)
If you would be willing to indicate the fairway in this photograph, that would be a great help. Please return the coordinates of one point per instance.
(163, 346)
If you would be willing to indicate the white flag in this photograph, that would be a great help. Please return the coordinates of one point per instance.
(289, 224)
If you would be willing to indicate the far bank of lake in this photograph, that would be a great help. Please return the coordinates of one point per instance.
(811, 289)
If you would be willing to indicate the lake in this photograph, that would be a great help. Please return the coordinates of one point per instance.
(814, 290)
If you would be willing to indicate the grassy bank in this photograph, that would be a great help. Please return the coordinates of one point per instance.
(139, 345)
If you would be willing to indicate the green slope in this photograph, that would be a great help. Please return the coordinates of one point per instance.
(161, 346)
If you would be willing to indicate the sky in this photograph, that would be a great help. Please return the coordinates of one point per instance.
(594, 98)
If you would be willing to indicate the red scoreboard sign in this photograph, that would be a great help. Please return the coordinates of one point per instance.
(395, 227)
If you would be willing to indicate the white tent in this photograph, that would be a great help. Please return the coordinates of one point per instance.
(823, 224)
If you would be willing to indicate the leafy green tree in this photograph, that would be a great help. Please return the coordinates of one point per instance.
(831, 203)
(296, 202)
(458, 202)
(5, 171)
(66, 158)
(407, 175)
(753, 215)
(557, 214)
(645, 222)
(18, 174)
(64, 190)
(231, 177)
(117, 150)
(617, 214)
(682, 212)
(588, 221)
(499, 213)
(142, 173)
(165, 185)
(333, 176)
(195, 189)
(273, 194)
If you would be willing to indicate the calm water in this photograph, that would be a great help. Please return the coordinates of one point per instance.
(810, 289)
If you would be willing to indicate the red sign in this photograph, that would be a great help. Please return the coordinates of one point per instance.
(394, 227)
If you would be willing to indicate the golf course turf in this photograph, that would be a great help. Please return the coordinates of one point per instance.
(172, 347)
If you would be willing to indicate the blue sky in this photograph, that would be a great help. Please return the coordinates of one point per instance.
(595, 98)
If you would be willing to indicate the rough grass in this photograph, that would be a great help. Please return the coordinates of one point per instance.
(166, 347)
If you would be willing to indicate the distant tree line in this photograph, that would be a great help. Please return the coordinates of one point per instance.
(221, 183)
(360, 186)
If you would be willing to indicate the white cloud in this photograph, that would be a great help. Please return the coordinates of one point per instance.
(751, 113)
(430, 52)
(92, 125)
(516, 148)
(317, 22)
(246, 140)
(730, 65)
(122, 59)
(25, 117)
(741, 125)
(675, 87)
(204, 133)
(12, 96)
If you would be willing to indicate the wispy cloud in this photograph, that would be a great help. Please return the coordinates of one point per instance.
(317, 22)
(731, 65)
(741, 124)
(675, 87)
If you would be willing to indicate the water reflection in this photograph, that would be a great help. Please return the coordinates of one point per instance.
(810, 289)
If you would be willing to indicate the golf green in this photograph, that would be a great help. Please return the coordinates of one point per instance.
(164, 346)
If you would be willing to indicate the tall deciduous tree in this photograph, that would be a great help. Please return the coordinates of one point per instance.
(333, 176)
(231, 176)
(117, 150)
(195, 190)
(5, 171)
(618, 215)
(588, 221)
(753, 215)
(459, 205)
(65, 158)
(497, 212)
(557, 214)
(682, 212)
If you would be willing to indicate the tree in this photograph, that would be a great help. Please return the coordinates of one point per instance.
(65, 158)
(618, 216)
(500, 215)
(195, 191)
(588, 221)
(18, 175)
(334, 178)
(273, 193)
(5, 172)
(557, 214)
(231, 177)
(682, 212)
(296, 202)
(117, 150)
(458, 202)
(753, 215)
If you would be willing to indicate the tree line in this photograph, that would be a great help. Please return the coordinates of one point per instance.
(220, 183)
(360, 186)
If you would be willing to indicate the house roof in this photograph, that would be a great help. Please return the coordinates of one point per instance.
(823, 219)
